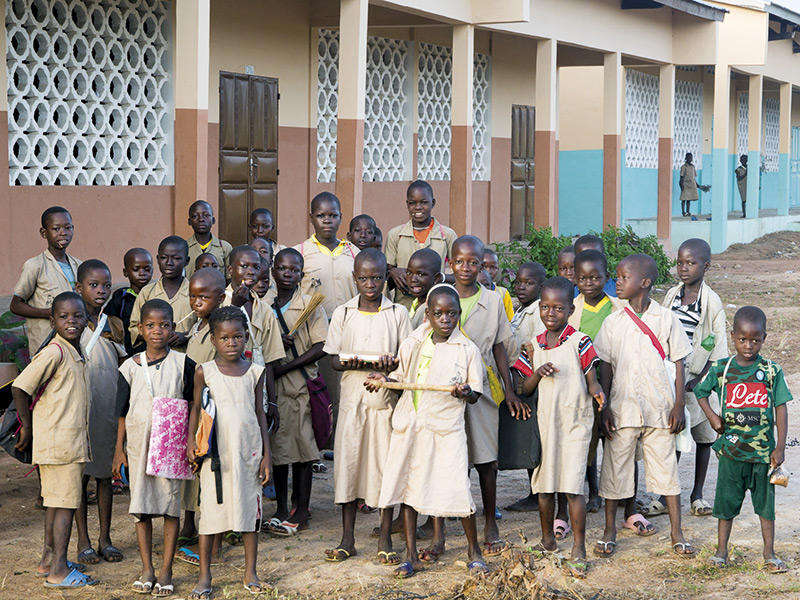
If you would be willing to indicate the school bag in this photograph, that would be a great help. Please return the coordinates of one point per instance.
(12, 425)
(169, 432)
(206, 439)
(318, 394)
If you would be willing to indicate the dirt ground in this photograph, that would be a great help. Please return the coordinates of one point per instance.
(764, 273)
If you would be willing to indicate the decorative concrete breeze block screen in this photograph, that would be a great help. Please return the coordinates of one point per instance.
(433, 112)
(327, 103)
(89, 92)
(742, 124)
(772, 116)
(481, 114)
(688, 135)
(641, 120)
(387, 114)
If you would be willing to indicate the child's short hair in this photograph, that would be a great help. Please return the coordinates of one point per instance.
(560, 284)
(699, 246)
(444, 289)
(325, 197)
(157, 305)
(203, 257)
(211, 277)
(133, 253)
(566, 250)
(419, 184)
(259, 212)
(264, 264)
(90, 265)
(241, 250)
(290, 252)
(66, 297)
(752, 315)
(364, 217)
(592, 241)
(266, 243)
(378, 237)
(490, 252)
(645, 266)
(475, 242)
(538, 271)
(53, 210)
(224, 314)
(370, 255)
(197, 203)
(174, 240)
(431, 258)
(591, 256)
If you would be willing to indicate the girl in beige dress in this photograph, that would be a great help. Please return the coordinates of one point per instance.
(232, 503)
(364, 335)
(563, 361)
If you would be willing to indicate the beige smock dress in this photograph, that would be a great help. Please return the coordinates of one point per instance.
(294, 441)
(429, 467)
(689, 174)
(564, 413)
(150, 495)
(240, 453)
(364, 427)
(526, 324)
(103, 351)
(486, 325)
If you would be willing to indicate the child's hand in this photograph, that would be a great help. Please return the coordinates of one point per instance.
(692, 383)
(517, 407)
(546, 370)
(25, 439)
(178, 339)
(191, 449)
(716, 423)
(288, 340)
(273, 418)
(607, 423)
(353, 363)
(461, 390)
(387, 363)
(240, 296)
(263, 470)
(677, 419)
(120, 458)
(596, 390)
(372, 378)
(397, 275)
(776, 458)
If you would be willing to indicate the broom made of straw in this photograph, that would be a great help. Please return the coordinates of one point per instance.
(313, 304)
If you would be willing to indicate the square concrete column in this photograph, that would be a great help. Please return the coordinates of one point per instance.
(352, 95)
(784, 148)
(613, 104)
(719, 158)
(545, 193)
(666, 127)
(192, 23)
(461, 129)
(755, 101)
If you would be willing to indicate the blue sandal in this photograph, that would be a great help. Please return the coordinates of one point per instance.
(478, 567)
(404, 570)
(70, 565)
(75, 579)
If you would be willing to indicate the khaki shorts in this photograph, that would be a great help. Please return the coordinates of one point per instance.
(702, 432)
(660, 463)
(190, 495)
(62, 485)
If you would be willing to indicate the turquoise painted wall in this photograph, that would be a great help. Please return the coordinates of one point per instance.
(639, 192)
(580, 191)
(769, 190)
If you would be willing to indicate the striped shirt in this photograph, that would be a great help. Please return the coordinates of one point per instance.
(688, 314)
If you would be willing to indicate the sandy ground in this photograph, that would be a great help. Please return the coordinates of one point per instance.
(762, 273)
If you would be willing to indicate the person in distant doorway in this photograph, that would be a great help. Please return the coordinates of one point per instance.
(741, 181)
(688, 185)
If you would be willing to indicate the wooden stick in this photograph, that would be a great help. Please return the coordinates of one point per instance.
(418, 387)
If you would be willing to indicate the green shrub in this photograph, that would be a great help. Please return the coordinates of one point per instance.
(539, 245)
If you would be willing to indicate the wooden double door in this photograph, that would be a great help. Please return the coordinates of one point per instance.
(248, 151)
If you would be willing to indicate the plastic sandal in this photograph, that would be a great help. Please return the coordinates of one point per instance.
(404, 570)
(718, 562)
(163, 590)
(75, 579)
(775, 566)
(601, 548)
(633, 522)
(701, 508)
(142, 587)
(200, 594)
(477, 567)
(564, 528)
(70, 565)
(683, 549)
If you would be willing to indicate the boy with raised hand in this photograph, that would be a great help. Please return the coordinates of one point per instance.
(421, 231)
(202, 241)
(138, 270)
(45, 276)
(699, 309)
(754, 396)
(638, 347)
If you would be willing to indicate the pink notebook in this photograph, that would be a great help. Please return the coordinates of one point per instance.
(166, 456)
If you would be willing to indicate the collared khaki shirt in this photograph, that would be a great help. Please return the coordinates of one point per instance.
(220, 249)
(183, 314)
(328, 272)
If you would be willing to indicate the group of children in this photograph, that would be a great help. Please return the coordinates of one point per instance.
(421, 350)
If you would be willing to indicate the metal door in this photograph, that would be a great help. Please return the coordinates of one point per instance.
(794, 169)
(522, 145)
(248, 151)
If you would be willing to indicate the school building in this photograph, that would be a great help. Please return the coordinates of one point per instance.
(572, 114)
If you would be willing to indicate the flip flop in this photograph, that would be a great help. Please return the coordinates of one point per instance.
(74, 579)
(701, 508)
(564, 528)
(577, 567)
(185, 540)
(718, 562)
(70, 565)
(261, 587)
(477, 567)
(204, 594)
(284, 528)
(142, 587)
(163, 590)
(338, 555)
(319, 467)
(233, 538)
(601, 548)
(389, 558)
(404, 570)
(187, 556)
(639, 525)
(366, 509)
(683, 549)
(653, 508)
(429, 555)
(111, 554)
(88, 556)
(495, 548)
(775, 566)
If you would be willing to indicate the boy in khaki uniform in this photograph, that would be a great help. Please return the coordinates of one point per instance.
(421, 231)
(202, 241)
(45, 276)
(644, 403)
(58, 430)
(172, 287)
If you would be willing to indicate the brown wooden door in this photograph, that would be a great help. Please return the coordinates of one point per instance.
(248, 151)
(522, 130)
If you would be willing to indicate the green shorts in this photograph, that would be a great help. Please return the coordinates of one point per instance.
(734, 478)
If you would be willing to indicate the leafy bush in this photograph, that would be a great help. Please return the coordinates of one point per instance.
(13, 347)
(539, 245)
